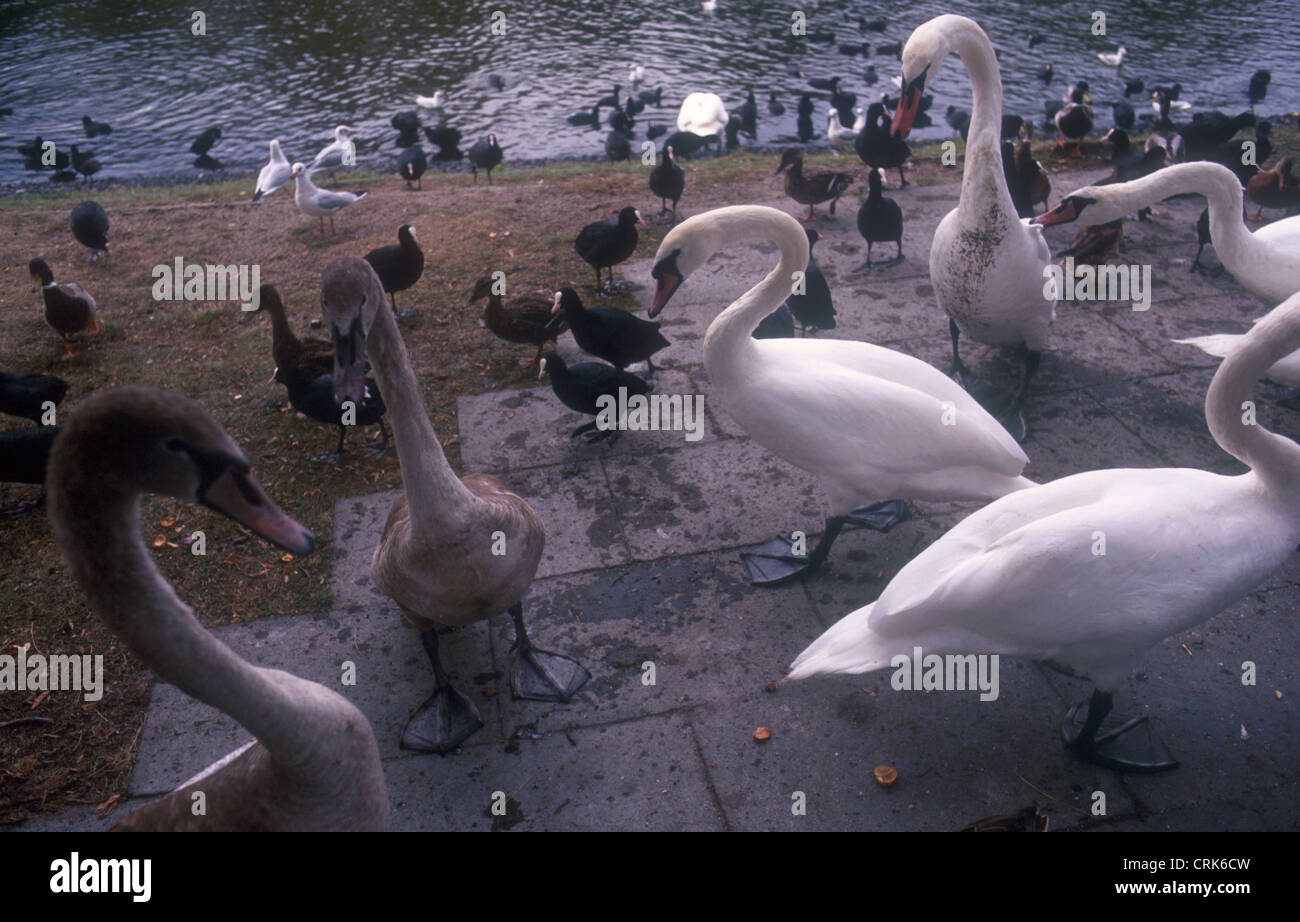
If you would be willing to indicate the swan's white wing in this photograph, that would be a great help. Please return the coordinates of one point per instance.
(867, 435)
(1179, 546)
(890, 365)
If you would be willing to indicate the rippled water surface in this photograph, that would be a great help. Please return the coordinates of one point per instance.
(295, 70)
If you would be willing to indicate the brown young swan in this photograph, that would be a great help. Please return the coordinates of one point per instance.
(454, 550)
(314, 764)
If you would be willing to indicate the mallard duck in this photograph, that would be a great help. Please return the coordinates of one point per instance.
(399, 265)
(485, 155)
(880, 220)
(69, 308)
(814, 188)
(1273, 188)
(1074, 119)
(310, 357)
(313, 763)
(436, 557)
(1034, 185)
(608, 333)
(1164, 133)
(521, 320)
(581, 386)
(605, 244)
(1095, 244)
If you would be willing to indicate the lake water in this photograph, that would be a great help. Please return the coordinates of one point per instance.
(294, 70)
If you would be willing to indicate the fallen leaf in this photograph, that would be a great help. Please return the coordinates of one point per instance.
(762, 734)
(159, 541)
(885, 775)
(167, 522)
(489, 691)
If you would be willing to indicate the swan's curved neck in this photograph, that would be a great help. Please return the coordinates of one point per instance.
(99, 532)
(435, 495)
(729, 349)
(984, 137)
(1229, 409)
(1222, 193)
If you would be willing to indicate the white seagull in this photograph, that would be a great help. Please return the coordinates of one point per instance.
(319, 203)
(275, 174)
(332, 156)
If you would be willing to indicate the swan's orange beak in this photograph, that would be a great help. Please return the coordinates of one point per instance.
(237, 495)
(1063, 213)
(669, 278)
(909, 103)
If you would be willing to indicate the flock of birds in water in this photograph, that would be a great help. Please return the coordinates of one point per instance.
(875, 426)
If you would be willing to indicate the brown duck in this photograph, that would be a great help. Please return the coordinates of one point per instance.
(813, 188)
(520, 320)
(1095, 244)
(1273, 188)
(69, 308)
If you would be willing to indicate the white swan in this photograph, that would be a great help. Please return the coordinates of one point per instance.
(437, 101)
(870, 422)
(986, 263)
(314, 764)
(275, 174)
(454, 550)
(702, 113)
(1266, 262)
(635, 74)
(1023, 575)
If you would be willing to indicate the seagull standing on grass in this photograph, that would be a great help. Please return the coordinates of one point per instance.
(319, 203)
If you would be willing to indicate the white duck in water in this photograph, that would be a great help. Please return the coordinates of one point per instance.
(872, 423)
(314, 764)
(1021, 576)
(986, 263)
(1266, 262)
